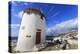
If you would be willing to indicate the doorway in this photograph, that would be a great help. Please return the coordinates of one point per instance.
(38, 37)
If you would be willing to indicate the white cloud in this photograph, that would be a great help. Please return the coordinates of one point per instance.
(19, 15)
(64, 26)
(14, 25)
(69, 23)
(14, 30)
(25, 3)
(13, 2)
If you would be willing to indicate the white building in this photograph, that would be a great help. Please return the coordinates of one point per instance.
(32, 30)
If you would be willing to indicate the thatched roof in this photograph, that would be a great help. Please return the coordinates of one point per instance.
(35, 11)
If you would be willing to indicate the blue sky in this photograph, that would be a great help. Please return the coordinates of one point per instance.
(54, 13)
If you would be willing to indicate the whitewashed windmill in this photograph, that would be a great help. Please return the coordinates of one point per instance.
(32, 30)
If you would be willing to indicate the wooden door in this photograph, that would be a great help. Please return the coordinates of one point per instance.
(38, 37)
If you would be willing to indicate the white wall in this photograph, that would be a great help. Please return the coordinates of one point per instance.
(27, 43)
(41, 25)
(43, 38)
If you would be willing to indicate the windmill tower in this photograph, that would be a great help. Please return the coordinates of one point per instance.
(32, 30)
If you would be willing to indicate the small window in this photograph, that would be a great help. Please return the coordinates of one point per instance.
(23, 27)
(28, 36)
(38, 29)
(41, 17)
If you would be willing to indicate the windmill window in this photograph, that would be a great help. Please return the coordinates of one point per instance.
(42, 17)
(23, 27)
(38, 29)
(28, 36)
